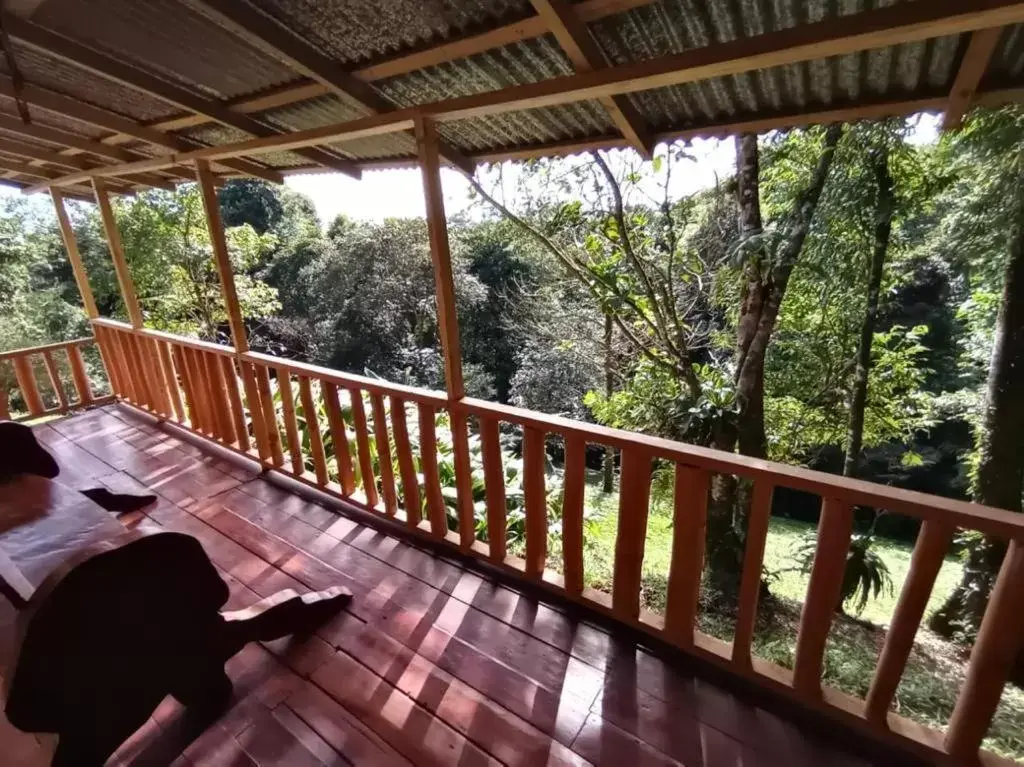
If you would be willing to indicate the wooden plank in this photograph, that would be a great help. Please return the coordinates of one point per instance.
(171, 380)
(369, 481)
(67, 233)
(79, 376)
(973, 65)
(207, 423)
(219, 398)
(230, 376)
(463, 479)
(291, 428)
(27, 384)
(440, 254)
(750, 579)
(192, 408)
(53, 373)
(494, 485)
(63, 105)
(436, 512)
(823, 594)
(535, 496)
(583, 51)
(117, 364)
(143, 383)
(689, 532)
(929, 552)
(124, 276)
(631, 538)
(339, 438)
(161, 379)
(215, 225)
(406, 463)
(120, 71)
(255, 408)
(316, 443)
(5, 403)
(995, 651)
(384, 463)
(269, 414)
(572, 513)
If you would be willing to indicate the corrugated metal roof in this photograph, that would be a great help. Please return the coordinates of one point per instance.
(1008, 61)
(220, 134)
(168, 38)
(354, 31)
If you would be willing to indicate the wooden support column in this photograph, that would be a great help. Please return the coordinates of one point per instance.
(444, 284)
(220, 254)
(124, 277)
(71, 245)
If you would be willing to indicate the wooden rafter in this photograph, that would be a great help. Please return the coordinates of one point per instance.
(267, 34)
(88, 114)
(34, 171)
(581, 48)
(906, 22)
(113, 69)
(976, 59)
(41, 155)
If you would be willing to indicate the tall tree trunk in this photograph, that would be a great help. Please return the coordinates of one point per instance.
(608, 483)
(859, 395)
(762, 297)
(1000, 481)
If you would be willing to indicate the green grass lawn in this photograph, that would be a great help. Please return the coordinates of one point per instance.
(934, 673)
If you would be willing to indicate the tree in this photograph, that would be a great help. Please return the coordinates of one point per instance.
(251, 201)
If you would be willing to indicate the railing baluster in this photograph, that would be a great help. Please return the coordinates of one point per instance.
(534, 460)
(689, 530)
(929, 552)
(27, 383)
(406, 466)
(291, 429)
(750, 579)
(463, 478)
(634, 501)
(494, 486)
(55, 383)
(387, 469)
(269, 414)
(363, 444)
(171, 380)
(143, 388)
(201, 388)
(191, 406)
(572, 512)
(230, 376)
(255, 408)
(996, 649)
(117, 364)
(823, 594)
(162, 379)
(5, 403)
(218, 398)
(431, 480)
(339, 438)
(316, 442)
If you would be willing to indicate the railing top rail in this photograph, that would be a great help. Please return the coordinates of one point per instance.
(194, 343)
(412, 393)
(992, 521)
(12, 353)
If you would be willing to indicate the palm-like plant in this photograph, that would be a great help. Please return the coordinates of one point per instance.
(866, 575)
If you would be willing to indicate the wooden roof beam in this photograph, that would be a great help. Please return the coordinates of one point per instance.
(980, 49)
(265, 33)
(34, 171)
(42, 155)
(585, 54)
(907, 22)
(82, 112)
(110, 68)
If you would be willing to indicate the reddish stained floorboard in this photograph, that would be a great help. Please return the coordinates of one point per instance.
(430, 664)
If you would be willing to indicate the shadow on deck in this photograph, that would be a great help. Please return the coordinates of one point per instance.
(431, 663)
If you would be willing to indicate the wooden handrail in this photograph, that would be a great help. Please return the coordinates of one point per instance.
(12, 353)
(195, 383)
(37, 372)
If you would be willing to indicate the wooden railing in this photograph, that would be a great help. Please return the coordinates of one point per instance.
(263, 407)
(65, 387)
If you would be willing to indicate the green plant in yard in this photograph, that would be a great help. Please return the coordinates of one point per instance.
(866, 575)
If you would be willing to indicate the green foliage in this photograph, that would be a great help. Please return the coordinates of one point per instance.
(866, 575)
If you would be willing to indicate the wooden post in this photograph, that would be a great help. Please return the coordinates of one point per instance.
(67, 233)
(444, 285)
(997, 647)
(124, 277)
(220, 253)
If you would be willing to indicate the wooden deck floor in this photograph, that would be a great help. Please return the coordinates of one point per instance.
(431, 664)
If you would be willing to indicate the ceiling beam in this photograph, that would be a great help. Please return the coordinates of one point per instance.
(582, 50)
(906, 22)
(58, 103)
(34, 171)
(973, 65)
(43, 155)
(82, 56)
(265, 33)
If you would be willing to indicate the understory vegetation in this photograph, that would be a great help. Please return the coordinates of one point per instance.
(849, 299)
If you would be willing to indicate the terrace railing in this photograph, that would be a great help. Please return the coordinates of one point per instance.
(51, 380)
(359, 448)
